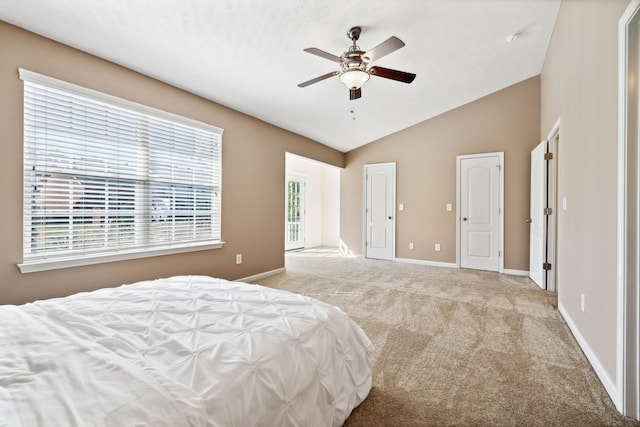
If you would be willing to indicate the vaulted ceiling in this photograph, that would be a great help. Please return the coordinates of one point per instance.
(248, 54)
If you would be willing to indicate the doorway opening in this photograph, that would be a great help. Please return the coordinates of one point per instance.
(628, 334)
(312, 204)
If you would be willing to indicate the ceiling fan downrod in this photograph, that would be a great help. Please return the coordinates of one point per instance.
(354, 35)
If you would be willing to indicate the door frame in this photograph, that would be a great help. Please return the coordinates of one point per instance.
(459, 159)
(551, 278)
(627, 399)
(364, 208)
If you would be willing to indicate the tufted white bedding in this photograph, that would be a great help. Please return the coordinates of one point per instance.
(183, 351)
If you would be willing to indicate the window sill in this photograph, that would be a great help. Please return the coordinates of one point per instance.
(54, 264)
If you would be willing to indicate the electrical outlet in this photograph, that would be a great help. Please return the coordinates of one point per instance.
(437, 247)
(582, 302)
(239, 259)
(410, 245)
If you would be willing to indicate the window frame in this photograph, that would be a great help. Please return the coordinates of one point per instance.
(44, 263)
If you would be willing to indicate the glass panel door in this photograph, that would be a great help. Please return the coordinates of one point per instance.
(294, 228)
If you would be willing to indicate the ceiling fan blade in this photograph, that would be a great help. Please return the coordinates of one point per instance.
(323, 54)
(318, 79)
(388, 73)
(355, 93)
(386, 47)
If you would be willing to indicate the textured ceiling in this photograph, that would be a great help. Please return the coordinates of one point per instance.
(248, 54)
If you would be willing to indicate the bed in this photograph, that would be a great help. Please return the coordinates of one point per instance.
(182, 351)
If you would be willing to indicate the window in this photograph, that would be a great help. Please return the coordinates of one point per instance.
(107, 179)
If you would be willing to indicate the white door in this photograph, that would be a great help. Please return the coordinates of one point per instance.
(537, 220)
(295, 210)
(380, 202)
(480, 212)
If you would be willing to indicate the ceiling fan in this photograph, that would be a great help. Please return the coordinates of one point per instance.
(354, 64)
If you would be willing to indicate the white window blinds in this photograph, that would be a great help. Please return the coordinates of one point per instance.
(105, 176)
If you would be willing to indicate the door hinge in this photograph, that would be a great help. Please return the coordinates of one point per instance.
(546, 266)
(548, 211)
(548, 156)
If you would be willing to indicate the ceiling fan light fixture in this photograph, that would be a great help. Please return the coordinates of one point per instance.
(354, 79)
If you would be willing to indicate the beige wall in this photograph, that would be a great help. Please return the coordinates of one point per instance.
(579, 84)
(425, 157)
(253, 174)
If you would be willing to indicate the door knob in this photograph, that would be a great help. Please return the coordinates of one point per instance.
(389, 217)
(464, 219)
(528, 221)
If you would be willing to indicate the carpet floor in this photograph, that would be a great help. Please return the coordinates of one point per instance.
(456, 347)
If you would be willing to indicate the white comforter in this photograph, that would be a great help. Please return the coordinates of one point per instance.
(184, 351)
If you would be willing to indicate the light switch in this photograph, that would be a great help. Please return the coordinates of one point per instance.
(401, 207)
(449, 207)
(564, 203)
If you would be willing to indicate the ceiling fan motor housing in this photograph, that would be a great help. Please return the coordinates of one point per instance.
(352, 60)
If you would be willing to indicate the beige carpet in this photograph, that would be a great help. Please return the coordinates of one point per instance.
(456, 347)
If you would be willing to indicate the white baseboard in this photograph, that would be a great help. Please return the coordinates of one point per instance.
(609, 385)
(423, 262)
(453, 265)
(516, 272)
(261, 275)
